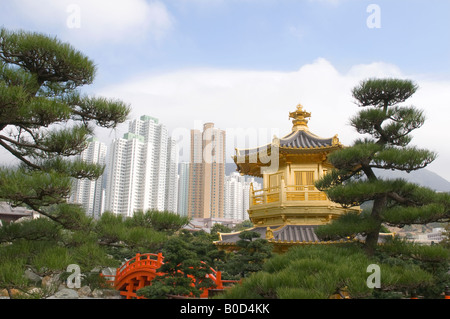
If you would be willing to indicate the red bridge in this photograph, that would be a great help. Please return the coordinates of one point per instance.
(139, 271)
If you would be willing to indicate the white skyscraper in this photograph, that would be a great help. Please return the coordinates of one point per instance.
(246, 194)
(237, 191)
(233, 196)
(142, 169)
(87, 192)
(171, 199)
(183, 189)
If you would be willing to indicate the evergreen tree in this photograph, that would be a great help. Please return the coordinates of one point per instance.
(45, 119)
(44, 247)
(321, 271)
(183, 272)
(251, 255)
(354, 181)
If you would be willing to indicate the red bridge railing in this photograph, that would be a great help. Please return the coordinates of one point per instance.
(140, 270)
(139, 262)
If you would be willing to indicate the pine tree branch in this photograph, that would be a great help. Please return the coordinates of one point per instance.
(401, 199)
(399, 167)
(19, 156)
(25, 145)
(40, 211)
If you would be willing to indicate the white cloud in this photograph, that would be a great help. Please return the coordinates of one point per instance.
(97, 21)
(262, 100)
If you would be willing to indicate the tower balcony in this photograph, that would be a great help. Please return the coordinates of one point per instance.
(284, 194)
(293, 205)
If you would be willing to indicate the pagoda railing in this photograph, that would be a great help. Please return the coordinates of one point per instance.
(285, 193)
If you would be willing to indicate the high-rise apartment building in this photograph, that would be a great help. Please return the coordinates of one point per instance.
(183, 189)
(89, 193)
(207, 173)
(237, 195)
(171, 193)
(246, 194)
(142, 169)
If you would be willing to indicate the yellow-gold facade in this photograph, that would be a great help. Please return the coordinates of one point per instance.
(289, 195)
(287, 210)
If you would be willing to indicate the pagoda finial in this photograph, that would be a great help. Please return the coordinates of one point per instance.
(299, 118)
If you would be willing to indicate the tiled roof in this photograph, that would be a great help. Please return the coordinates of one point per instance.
(299, 139)
(286, 233)
(293, 234)
(234, 237)
(296, 233)
(304, 139)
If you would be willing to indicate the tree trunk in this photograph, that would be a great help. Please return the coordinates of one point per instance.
(10, 293)
(371, 242)
(372, 237)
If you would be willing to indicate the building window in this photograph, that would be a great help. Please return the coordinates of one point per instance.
(304, 178)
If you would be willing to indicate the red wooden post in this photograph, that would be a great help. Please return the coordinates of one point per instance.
(219, 280)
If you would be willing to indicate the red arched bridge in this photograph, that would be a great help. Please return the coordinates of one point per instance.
(139, 272)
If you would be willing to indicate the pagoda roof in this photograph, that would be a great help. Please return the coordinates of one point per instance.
(288, 235)
(281, 234)
(299, 141)
(304, 139)
(296, 233)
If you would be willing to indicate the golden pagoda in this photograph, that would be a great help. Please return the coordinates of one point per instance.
(289, 207)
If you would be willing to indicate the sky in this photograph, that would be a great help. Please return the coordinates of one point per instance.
(245, 64)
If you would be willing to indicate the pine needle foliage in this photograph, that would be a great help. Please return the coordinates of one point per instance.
(387, 128)
(47, 247)
(319, 272)
(45, 119)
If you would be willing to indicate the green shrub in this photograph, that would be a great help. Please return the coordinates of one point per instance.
(51, 259)
(320, 271)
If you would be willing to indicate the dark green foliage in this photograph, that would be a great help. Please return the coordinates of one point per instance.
(162, 221)
(184, 272)
(45, 120)
(39, 229)
(33, 188)
(318, 271)
(202, 244)
(250, 256)
(246, 224)
(124, 237)
(354, 182)
(219, 228)
(347, 226)
(48, 247)
(383, 92)
(433, 259)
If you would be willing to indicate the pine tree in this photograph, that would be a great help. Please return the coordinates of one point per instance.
(354, 181)
(45, 119)
(182, 274)
(250, 256)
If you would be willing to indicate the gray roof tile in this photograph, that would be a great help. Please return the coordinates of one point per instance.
(287, 233)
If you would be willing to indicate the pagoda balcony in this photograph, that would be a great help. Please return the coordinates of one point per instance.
(286, 194)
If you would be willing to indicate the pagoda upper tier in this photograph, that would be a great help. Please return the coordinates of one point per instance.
(288, 208)
(299, 145)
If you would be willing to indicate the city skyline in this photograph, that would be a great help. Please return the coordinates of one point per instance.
(127, 183)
